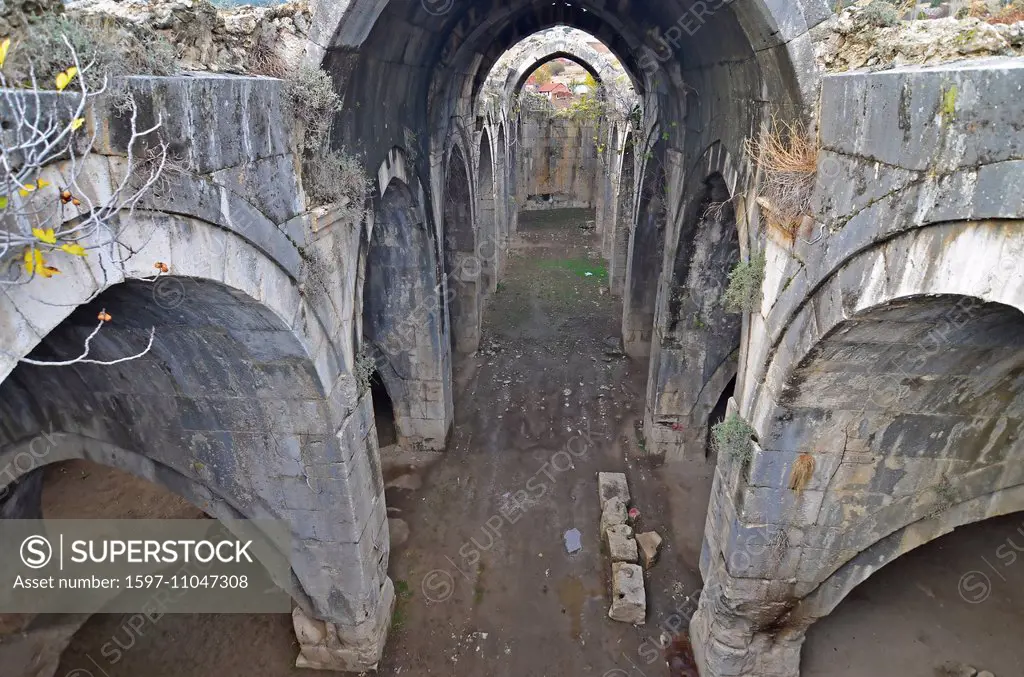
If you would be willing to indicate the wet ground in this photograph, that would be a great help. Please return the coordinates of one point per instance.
(486, 586)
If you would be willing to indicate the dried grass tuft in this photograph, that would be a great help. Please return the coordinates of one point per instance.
(788, 159)
(803, 471)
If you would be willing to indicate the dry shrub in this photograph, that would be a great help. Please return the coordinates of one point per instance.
(313, 101)
(337, 177)
(264, 60)
(803, 471)
(1010, 14)
(107, 46)
(788, 159)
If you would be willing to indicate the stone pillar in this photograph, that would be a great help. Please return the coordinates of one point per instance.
(465, 315)
(622, 227)
(343, 566)
(752, 564)
(324, 645)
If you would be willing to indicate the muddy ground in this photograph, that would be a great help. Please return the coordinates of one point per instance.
(486, 585)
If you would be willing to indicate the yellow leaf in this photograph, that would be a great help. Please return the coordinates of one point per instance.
(42, 183)
(46, 236)
(3, 202)
(5, 47)
(77, 124)
(64, 79)
(48, 271)
(75, 249)
(29, 187)
(30, 260)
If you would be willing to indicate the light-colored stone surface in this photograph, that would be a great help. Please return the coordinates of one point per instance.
(242, 39)
(613, 513)
(848, 43)
(649, 545)
(629, 600)
(612, 485)
(620, 543)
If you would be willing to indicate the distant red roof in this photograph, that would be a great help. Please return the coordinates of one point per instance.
(554, 88)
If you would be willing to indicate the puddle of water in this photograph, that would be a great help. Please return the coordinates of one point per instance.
(572, 594)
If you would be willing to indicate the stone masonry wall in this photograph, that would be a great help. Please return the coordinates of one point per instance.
(559, 163)
(883, 354)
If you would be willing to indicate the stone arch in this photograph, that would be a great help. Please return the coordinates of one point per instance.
(225, 337)
(834, 589)
(696, 339)
(644, 258)
(899, 391)
(25, 459)
(404, 316)
(462, 260)
(488, 235)
(600, 67)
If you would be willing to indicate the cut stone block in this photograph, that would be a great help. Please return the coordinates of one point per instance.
(612, 514)
(621, 546)
(612, 485)
(629, 601)
(649, 544)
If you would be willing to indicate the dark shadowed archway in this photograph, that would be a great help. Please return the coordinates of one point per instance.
(403, 319)
(463, 264)
(643, 263)
(695, 351)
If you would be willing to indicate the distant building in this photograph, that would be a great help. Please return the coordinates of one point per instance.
(557, 93)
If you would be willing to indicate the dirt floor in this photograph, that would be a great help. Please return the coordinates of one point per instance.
(485, 583)
(547, 403)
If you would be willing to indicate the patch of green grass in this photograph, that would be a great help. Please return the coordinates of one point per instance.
(403, 593)
(578, 267)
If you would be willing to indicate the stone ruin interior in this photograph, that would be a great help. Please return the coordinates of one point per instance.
(588, 337)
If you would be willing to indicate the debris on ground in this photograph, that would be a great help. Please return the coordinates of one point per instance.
(629, 601)
(620, 543)
(649, 543)
(573, 541)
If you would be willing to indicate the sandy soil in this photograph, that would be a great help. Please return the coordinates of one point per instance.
(486, 585)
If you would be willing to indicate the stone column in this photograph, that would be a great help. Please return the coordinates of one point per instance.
(343, 567)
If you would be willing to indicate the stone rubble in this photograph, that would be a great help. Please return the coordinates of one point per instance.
(649, 543)
(847, 42)
(629, 602)
(243, 39)
(612, 485)
(613, 513)
(621, 546)
(629, 599)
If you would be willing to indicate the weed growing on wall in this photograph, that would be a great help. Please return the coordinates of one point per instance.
(731, 438)
(313, 101)
(329, 176)
(880, 14)
(364, 368)
(744, 291)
